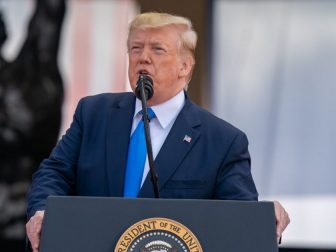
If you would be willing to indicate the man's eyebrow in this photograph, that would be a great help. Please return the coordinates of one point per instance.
(157, 43)
(136, 43)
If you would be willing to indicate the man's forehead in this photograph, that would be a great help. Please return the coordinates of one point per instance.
(157, 35)
(151, 40)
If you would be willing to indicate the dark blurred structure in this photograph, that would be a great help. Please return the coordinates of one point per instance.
(31, 95)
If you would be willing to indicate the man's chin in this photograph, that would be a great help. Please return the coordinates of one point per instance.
(152, 102)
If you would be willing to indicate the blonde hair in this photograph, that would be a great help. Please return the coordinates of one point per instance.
(188, 36)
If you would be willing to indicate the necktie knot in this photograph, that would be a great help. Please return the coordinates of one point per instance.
(150, 113)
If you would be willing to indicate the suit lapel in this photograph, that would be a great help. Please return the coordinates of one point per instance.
(118, 134)
(180, 140)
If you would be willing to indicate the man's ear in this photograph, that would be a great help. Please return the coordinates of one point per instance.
(186, 66)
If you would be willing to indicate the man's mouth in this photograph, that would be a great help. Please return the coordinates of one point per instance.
(142, 71)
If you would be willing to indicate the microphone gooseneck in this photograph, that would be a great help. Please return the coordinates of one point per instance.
(144, 91)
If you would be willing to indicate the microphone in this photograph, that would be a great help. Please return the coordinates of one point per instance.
(144, 91)
(147, 83)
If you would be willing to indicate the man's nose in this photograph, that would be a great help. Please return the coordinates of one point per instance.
(145, 57)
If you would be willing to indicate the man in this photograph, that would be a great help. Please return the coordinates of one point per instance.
(196, 154)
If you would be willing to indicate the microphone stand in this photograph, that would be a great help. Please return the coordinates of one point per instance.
(145, 118)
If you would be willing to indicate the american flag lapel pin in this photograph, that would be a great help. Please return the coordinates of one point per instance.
(187, 139)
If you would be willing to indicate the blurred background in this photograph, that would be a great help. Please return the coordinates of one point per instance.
(268, 67)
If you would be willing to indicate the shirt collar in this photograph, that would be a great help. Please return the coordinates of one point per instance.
(165, 112)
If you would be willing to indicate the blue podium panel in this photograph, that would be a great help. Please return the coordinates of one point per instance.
(116, 224)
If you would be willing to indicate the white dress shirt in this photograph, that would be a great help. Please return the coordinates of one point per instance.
(166, 114)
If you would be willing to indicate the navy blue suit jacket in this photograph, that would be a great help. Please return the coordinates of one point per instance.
(90, 159)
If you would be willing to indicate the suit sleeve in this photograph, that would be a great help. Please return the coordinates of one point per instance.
(57, 174)
(234, 180)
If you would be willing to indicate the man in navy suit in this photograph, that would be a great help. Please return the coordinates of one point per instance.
(197, 155)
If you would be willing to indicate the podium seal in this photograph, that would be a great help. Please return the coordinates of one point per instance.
(158, 235)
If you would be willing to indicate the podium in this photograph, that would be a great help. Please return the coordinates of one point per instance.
(104, 224)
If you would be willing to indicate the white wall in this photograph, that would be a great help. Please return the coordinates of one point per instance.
(274, 77)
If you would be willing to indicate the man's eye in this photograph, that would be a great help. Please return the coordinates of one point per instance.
(159, 49)
(135, 49)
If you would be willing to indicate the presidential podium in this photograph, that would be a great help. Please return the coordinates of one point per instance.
(102, 224)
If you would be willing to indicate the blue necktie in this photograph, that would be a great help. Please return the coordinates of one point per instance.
(137, 153)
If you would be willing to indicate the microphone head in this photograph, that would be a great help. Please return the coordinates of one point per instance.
(147, 83)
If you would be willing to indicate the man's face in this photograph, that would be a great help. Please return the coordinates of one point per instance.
(156, 52)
